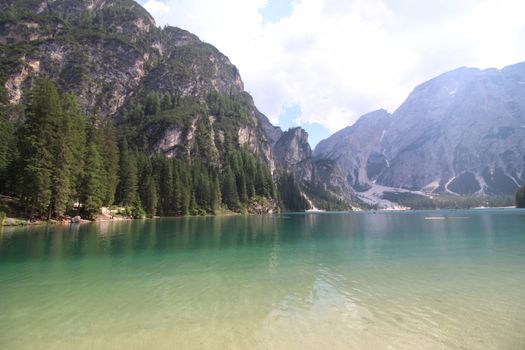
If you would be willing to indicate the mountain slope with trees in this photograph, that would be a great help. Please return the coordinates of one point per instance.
(101, 107)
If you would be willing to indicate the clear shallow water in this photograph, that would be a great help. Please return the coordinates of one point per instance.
(295, 281)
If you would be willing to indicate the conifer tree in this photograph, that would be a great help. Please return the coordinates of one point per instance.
(111, 162)
(128, 185)
(177, 189)
(229, 190)
(37, 140)
(62, 184)
(291, 196)
(520, 197)
(164, 169)
(76, 140)
(217, 197)
(166, 102)
(8, 151)
(92, 189)
(152, 103)
(151, 199)
(185, 200)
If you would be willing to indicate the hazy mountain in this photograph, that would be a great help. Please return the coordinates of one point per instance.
(462, 132)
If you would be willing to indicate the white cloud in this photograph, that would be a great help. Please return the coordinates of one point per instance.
(340, 59)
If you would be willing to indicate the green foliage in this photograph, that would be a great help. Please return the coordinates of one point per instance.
(135, 212)
(76, 141)
(415, 201)
(38, 141)
(60, 157)
(138, 213)
(111, 162)
(93, 190)
(291, 197)
(8, 151)
(128, 184)
(230, 196)
(324, 199)
(2, 218)
(67, 158)
(520, 197)
(152, 103)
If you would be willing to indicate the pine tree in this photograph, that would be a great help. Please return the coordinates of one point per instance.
(111, 162)
(291, 195)
(37, 142)
(185, 200)
(520, 197)
(217, 197)
(164, 169)
(93, 189)
(241, 187)
(202, 186)
(250, 169)
(61, 185)
(8, 151)
(128, 185)
(152, 103)
(193, 204)
(76, 141)
(260, 183)
(177, 189)
(166, 102)
(229, 190)
(151, 199)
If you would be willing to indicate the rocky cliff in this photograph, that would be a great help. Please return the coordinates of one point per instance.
(461, 133)
(111, 55)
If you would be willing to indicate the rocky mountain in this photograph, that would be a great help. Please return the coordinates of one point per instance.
(168, 92)
(461, 133)
(321, 180)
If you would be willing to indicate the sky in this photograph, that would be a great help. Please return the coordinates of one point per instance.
(321, 64)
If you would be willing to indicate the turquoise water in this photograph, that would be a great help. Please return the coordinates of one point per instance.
(408, 280)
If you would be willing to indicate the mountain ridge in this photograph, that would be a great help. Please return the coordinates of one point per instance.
(459, 133)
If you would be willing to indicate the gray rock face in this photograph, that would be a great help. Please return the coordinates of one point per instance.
(318, 177)
(292, 147)
(273, 133)
(462, 132)
(356, 149)
(101, 66)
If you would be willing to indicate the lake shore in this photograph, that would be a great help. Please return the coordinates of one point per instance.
(105, 216)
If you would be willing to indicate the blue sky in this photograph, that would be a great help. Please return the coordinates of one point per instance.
(275, 10)
(321, 64)
(290, 118)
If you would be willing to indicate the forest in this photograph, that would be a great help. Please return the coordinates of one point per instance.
(58, 161)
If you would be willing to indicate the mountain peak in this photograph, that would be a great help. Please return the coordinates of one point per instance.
(459, 133)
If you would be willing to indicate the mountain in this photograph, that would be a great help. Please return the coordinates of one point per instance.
(168, 95)
(461, 133)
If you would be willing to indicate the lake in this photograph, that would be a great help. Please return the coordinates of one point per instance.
(386, 280)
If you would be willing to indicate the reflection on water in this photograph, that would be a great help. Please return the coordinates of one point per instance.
(296, 281)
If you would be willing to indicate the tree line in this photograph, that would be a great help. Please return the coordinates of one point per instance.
(59, 161)
(520, 197)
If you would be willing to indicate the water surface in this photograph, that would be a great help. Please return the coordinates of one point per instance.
(414, 280)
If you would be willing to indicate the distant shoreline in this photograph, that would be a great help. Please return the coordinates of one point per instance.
(17, 221)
